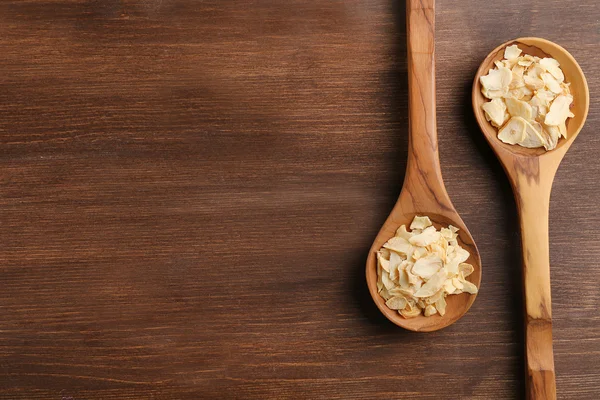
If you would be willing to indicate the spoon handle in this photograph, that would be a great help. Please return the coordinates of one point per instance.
(534, 203)
(423, 173)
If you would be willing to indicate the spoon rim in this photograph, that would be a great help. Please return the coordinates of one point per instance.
(491, 133)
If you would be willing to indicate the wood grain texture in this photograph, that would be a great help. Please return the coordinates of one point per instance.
(423, 191)
(188, 191)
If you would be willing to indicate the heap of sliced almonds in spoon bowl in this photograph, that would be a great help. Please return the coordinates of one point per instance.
(529, 99)
(417, 269)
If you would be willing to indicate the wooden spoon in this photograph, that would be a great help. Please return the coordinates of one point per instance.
(423, 192)
(531, 172)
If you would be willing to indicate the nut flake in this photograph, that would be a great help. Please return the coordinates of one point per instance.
(396, 303)
(513, 132)
(428, 236)
(551, 83)
(420, 223)
(518, 108)
(495, 112)
(426, 267)
(417, 269)
(552, 66)
(430, 310)
(551, 134)
(529, 99)
(559, 110)
(533, 135)
(399, 245)
(497, 79)
(512, 52)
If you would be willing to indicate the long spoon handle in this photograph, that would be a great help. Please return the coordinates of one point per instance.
(423, 173)
(534, 204)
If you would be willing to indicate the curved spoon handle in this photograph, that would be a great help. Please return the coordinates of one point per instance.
(423, 173)
(534, 203)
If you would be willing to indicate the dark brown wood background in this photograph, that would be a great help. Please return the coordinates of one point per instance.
(188, 190)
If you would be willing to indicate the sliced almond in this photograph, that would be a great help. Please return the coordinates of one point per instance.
(497, 79)
(403, 233)
(518, 108)
(525, 63)
(385, 264)
(469, 287)
(457, 283)
(552, 66)
(539, 107)
(545, 96)
(518, 70)
(399, 245)
(512, 52)
(396, 303)
(406, 293)
(419, 252)
(465, 269)
(551, 83)
(562, 129)
(413, 280)
(495, 94)
(428, 236)
(533, 83)
(432, 299)
(517, 77)
(420, 223)
(533, 135)
(495, 112)
(395, 261)
(385, 294)
(449, 287)
(430, 310)
(379, 274)
(522, 93)
(387, 282)
(509, 63)
(559, 110)
(447, 233)
(415, 312)
(535, 71)
(440, 305)
(551, 134)
(432, 285)
(513, 131)
(426, 267)
(438, 249)
(403, 279)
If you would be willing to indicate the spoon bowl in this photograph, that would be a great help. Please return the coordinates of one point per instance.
(531, 173)
(573, 74)
(457, 305)
(423, 192)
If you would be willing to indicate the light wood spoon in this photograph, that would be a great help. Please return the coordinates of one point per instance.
(531, 172)
(423, 192)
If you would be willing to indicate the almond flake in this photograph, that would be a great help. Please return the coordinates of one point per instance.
(530, 106)
(417, 284)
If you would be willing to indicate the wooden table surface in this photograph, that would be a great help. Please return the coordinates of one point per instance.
(188, 191)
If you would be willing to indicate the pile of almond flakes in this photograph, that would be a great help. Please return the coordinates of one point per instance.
(530, 99)
(416, 270)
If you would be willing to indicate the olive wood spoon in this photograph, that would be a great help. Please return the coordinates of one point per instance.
(531, 172)
(423, 192)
